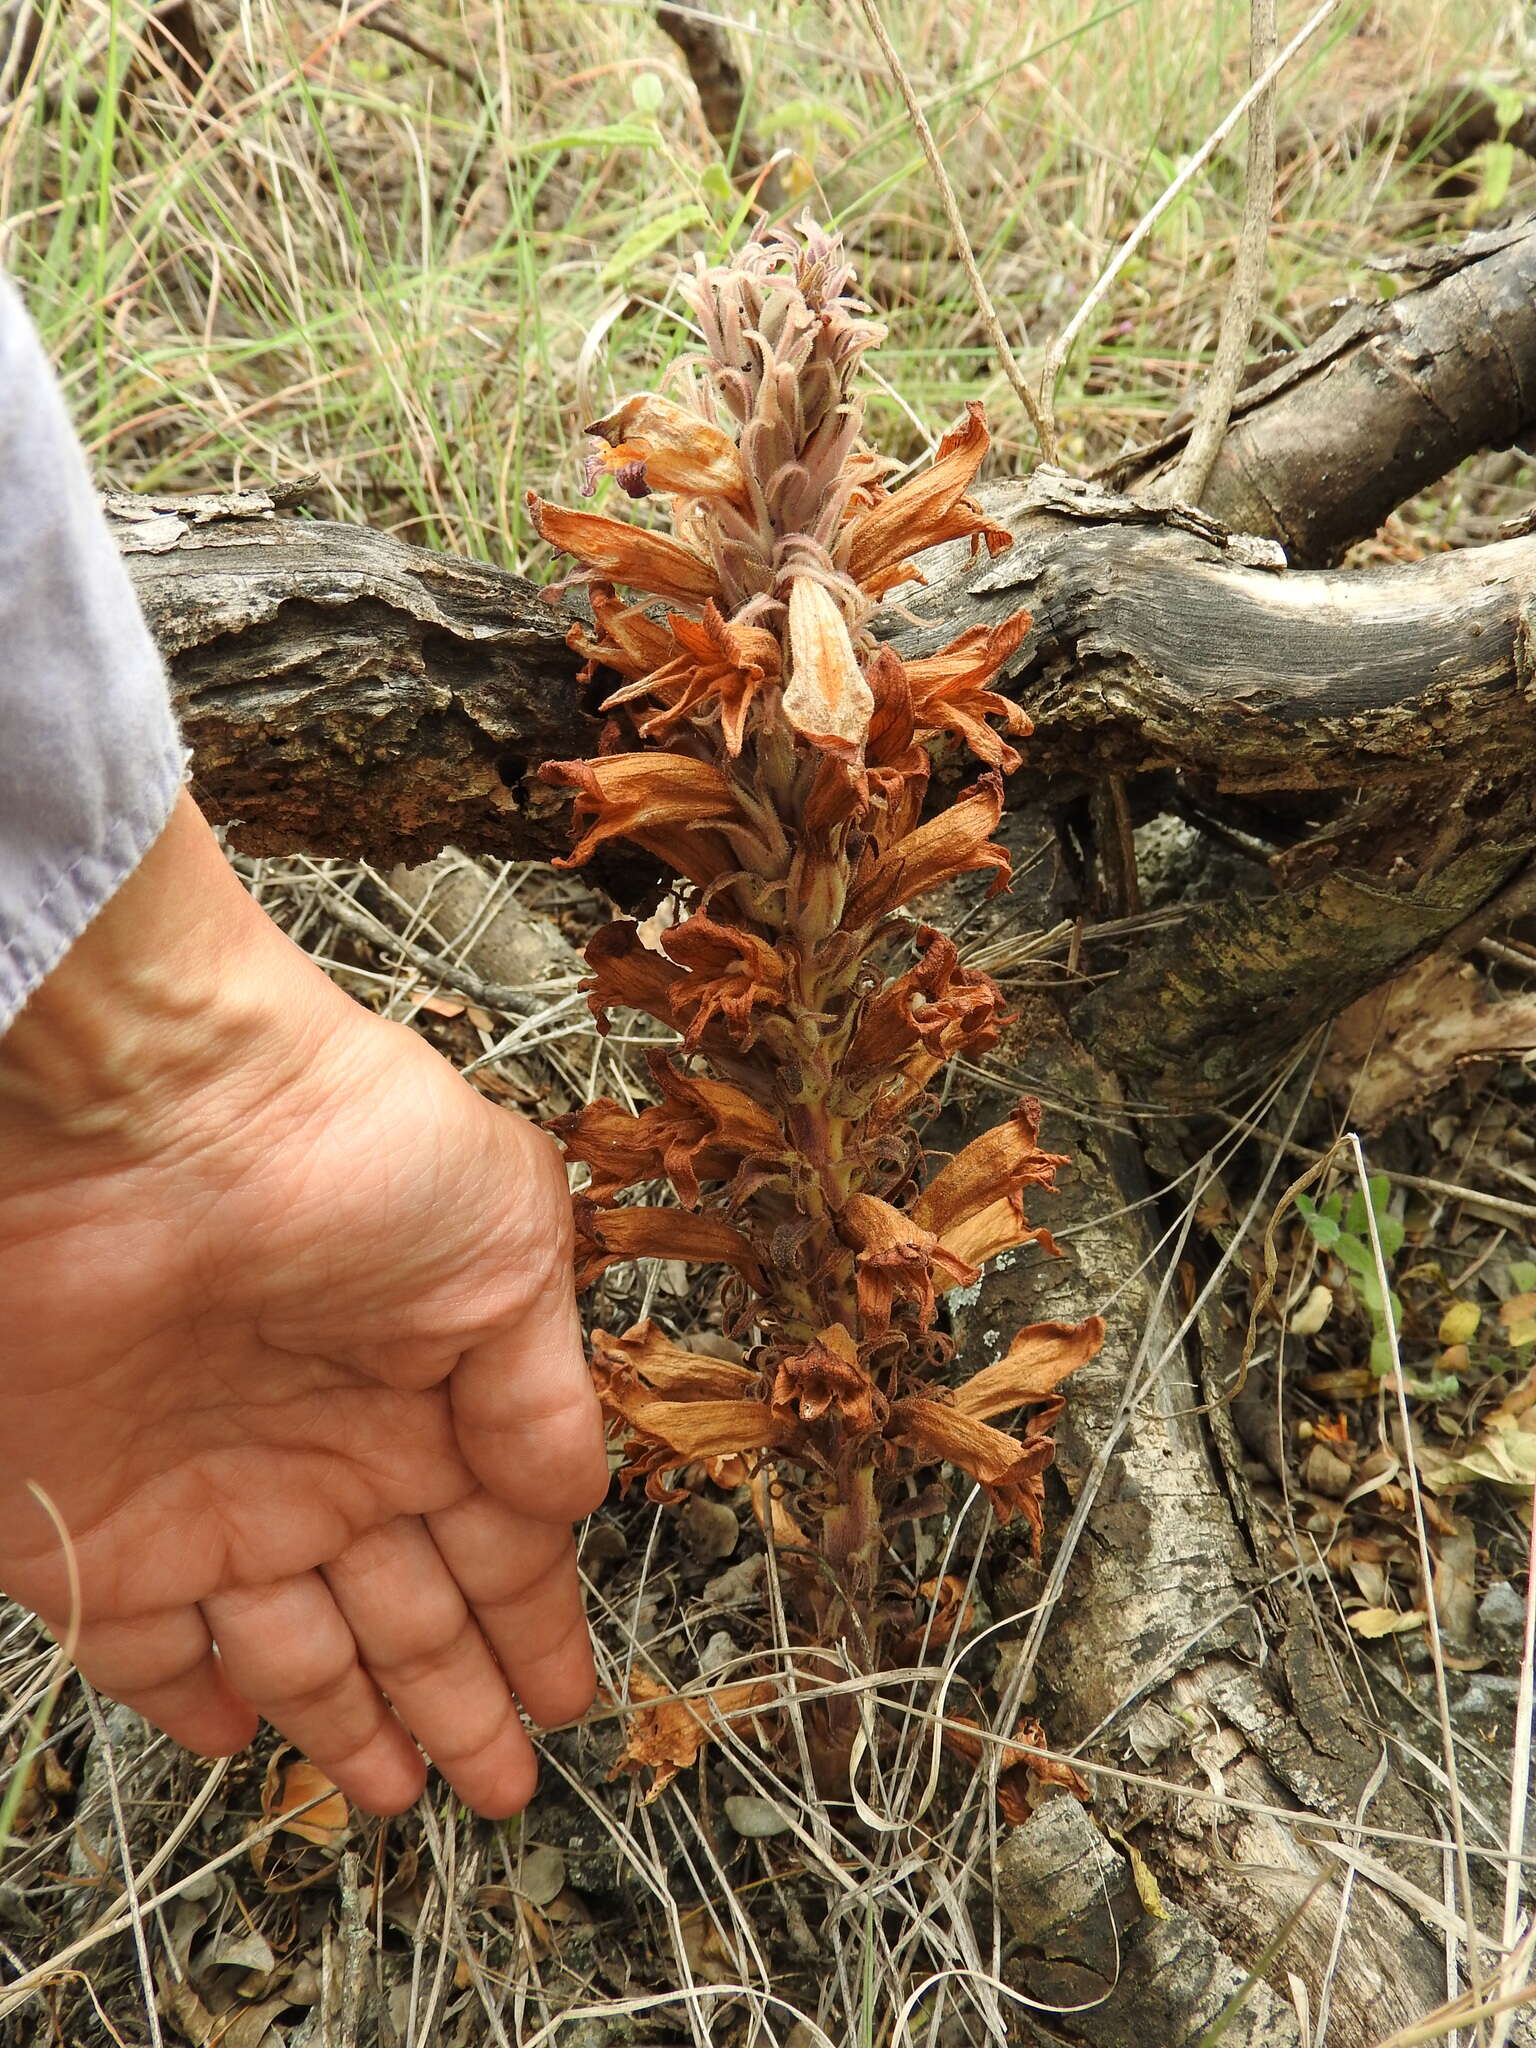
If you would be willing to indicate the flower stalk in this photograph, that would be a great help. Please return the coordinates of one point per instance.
(775, 759)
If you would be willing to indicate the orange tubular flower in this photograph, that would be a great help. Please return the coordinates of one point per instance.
(930, 507)
(948, 693)
(792, 801)
(626, 554)
(650, 444)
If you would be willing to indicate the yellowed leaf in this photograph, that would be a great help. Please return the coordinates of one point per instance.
(1372, 1622)
(1459, 1323)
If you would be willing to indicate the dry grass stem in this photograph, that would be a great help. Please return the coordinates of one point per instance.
(1188, 479)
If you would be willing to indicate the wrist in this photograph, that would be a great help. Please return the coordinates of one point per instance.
(168, 991)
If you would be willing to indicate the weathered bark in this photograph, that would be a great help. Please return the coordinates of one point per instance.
(1391, 398)
(347, 694)
(342, 689)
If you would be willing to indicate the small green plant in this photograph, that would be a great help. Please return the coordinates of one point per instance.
(1346, 1232)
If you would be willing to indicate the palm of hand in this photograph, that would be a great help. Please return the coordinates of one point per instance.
(309, 1386)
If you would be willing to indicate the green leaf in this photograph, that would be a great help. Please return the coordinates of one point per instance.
(647, 92)
(1508, 104)
(1522, 1273)
(1323, 1225)
(650, 236)
(1496, 160)
(807, 115)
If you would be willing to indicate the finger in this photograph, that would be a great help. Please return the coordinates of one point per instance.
(520, 1578)
(163, 1667)
(527, 1417)
(424, 1650)
(287, 1649)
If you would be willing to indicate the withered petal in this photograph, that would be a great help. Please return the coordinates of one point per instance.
(826, 699)
(951, 844)
(1010, 1472)
(676, 450)
(626, 554)
(1031, 1370)
(658, 801)
(991, 1168)
(643, 1232)
(930, 507)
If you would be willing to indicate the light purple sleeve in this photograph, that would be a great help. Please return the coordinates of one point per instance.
(90, 762)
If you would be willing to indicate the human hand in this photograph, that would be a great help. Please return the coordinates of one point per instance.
(289, 1341)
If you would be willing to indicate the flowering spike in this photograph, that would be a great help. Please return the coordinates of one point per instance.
(789, 799)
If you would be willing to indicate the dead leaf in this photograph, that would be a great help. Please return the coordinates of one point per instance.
(667, 1730)
(1373, 1622)
(289, 1788)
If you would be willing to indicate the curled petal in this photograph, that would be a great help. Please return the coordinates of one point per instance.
(972, 1205)
(607, 1236)
(651, 444)
(658, 801)
(626, 637)
(627, 975)
(896, 1258)
(949, 691)
(930, 507)
(951, 844)
(734, 976)
(938, 1004)
(826, 700)
(621, 553)
(714, 664)
(1009, 1471)
(825, 1378)
(707, 1129)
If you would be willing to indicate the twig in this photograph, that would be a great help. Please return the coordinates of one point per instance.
(1499, 1209)
(384, 24)
(490, 995)
(125, 1857)
(1186, 484)
(1520, 1765)
(1044, 427)
(1061, 347)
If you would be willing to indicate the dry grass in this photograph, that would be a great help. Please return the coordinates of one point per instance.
(418, 274)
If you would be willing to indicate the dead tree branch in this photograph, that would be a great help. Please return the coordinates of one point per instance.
(1391, 398)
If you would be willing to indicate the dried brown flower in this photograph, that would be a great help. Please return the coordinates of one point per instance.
(788, 798)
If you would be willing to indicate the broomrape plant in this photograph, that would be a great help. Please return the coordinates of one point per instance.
(766, 751)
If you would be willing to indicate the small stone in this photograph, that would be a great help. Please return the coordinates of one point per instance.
(717, 1653)
(755, 1819)
(710, 1528)
(541, 1875)
(1502, 1610)
(739, 1585)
